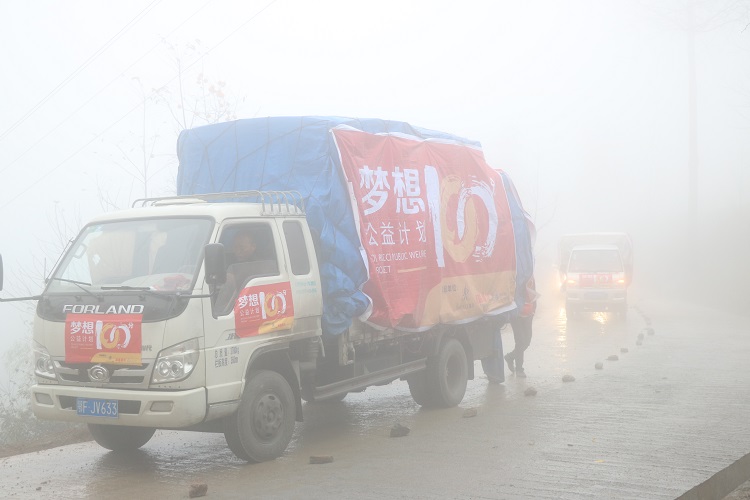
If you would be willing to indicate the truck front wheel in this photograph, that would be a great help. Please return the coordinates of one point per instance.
(262, 426)
(447, 375)
(120, 438)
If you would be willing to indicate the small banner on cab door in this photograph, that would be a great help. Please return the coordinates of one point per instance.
(263, 309)
(94, 338)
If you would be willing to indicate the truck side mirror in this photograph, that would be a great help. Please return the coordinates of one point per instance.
(1, 272)
(216, 264)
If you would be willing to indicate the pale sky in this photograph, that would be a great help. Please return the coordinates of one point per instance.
(583, 102)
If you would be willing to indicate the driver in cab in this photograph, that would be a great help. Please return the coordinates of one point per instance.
(242, 251)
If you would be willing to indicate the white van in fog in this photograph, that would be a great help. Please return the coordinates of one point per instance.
(595, 280)
(595, 271)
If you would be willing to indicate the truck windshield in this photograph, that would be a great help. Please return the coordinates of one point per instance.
(153, 254)
(595, 261)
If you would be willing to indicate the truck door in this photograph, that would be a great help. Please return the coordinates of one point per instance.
(254, 306)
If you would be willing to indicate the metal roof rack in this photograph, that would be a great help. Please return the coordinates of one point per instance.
(273, 202)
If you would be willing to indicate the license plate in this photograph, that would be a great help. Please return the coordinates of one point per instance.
(595, 295)
(97, 407)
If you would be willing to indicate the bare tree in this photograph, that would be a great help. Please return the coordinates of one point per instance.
(209, 102)
(191, 99)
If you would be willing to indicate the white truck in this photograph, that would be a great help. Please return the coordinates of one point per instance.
(146, 324)
(596, 270)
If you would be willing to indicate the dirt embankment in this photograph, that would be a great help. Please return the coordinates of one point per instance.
(47, 441)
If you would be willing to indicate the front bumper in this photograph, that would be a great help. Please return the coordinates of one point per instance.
(596, 299)
(174, 409)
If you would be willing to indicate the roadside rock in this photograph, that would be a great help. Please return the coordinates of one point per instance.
(321, 459)
(624, 350)
(198, 490)
(530, 391)
(568, 378)
(399, 430)
(599, 365)
(613, 357)
(468, 413)
(639, 342)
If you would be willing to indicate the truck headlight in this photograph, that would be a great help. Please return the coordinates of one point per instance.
(176, 363)
(43, 364)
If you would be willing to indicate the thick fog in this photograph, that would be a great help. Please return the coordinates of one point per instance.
(586, 104)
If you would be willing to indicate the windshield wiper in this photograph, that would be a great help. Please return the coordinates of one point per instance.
(72, 281)
(80, 284)
(144, 290)
(127, 287)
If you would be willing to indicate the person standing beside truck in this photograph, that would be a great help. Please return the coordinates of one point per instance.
(493, 365)
(521, 325)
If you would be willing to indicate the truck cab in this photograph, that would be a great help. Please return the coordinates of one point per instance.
(140, 328)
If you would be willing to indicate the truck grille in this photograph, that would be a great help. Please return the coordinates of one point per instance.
(131, 377)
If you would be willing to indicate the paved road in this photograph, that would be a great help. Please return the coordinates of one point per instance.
(662, 419)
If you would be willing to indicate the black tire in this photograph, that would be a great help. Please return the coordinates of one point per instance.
(262, 426)
(120, 438)
(418, 388)
(447, 375)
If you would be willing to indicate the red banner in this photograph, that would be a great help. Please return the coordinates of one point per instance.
(435, 225)
(263, 309)
(96, 338)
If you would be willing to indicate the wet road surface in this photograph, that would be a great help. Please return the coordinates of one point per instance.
(661, 419)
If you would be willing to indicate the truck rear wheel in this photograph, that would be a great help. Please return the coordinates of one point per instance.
(262, 426)
(419, 389)
(447, 375)
(120, 438)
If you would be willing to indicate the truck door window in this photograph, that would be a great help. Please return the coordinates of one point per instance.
(295, 242)
(251, 253)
